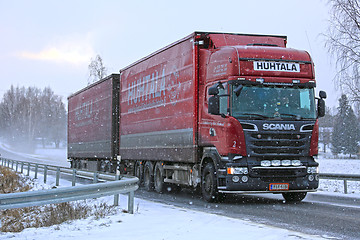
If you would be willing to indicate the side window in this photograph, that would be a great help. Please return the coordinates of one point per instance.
(223, 100)
(304, 100)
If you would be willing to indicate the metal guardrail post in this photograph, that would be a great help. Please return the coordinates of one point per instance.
(12, 164)
(45, 173)
(96, 176)
(74, 177)
(22, 167)
(345, 186)
(131, 202)
(57, 176)
(28, 169)
(16, 166)
(36, 170)
(116, 196)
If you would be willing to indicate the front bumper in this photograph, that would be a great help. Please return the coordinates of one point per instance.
(299, 181)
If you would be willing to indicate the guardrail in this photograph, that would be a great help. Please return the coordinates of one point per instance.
(119, 184)
(342, 177)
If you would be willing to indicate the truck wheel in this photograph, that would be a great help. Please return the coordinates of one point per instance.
(208, 183)
(102, 167)
(138, 171)
(159, 178)
(294, 197)
(148, 176)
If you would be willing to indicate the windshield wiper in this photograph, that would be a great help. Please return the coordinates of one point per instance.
(298, 117)
(255, 115)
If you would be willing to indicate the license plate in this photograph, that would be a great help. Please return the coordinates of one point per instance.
(279, 186)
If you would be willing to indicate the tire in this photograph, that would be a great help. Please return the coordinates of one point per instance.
(159, 184)
(148, 176)
(139, 172)
(294, 197)
(209, 184)
(108, 168)
(102, 167)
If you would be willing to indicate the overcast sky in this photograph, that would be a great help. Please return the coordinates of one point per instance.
(50, 43)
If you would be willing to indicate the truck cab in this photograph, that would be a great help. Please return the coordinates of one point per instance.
(258, 124)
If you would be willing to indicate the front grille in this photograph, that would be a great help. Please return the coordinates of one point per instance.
(277, 144)
(278, 172)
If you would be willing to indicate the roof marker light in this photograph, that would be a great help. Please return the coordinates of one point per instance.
(260, 80)
(296, 81)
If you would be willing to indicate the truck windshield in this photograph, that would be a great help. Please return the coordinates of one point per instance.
(258, 102)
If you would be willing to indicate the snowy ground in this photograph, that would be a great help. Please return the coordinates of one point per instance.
(158, 221)
(328, 164)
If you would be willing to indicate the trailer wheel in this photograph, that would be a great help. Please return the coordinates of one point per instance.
(102, 166)
(138, 171)
(148, 176)
(159, 184)
(294, 197)
(208, 184)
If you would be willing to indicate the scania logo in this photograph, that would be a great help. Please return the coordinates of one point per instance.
(278, 126)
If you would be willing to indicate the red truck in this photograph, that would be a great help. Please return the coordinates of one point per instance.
(229, 113)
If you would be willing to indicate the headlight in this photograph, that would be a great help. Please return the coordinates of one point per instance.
(312, 170)
(237, 170)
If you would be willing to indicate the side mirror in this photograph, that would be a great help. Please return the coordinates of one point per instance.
(321, 107)
(322, 94)
(238, 89)
(214, 105)
(214, 90)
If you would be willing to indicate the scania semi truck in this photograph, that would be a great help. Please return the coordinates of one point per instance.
(227, 113)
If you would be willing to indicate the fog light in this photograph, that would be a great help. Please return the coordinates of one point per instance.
(235, 179)
(311, 178)
(244, 178)
(317, 177)
(313, 170)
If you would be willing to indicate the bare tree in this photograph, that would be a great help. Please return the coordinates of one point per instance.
(343, 41)
(29, 113)
(97, 70)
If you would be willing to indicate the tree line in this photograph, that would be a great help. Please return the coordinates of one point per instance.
(340, 128)
(29, 115)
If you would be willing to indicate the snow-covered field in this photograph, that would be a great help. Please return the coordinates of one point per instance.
(327, 164)
(158, 221)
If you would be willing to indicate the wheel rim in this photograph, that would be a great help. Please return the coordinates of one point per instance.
(147, 176)
(157, 178)
(137, 171)
(208, 183)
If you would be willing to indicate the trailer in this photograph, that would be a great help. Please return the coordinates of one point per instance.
(93, 125)
(229, 113)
